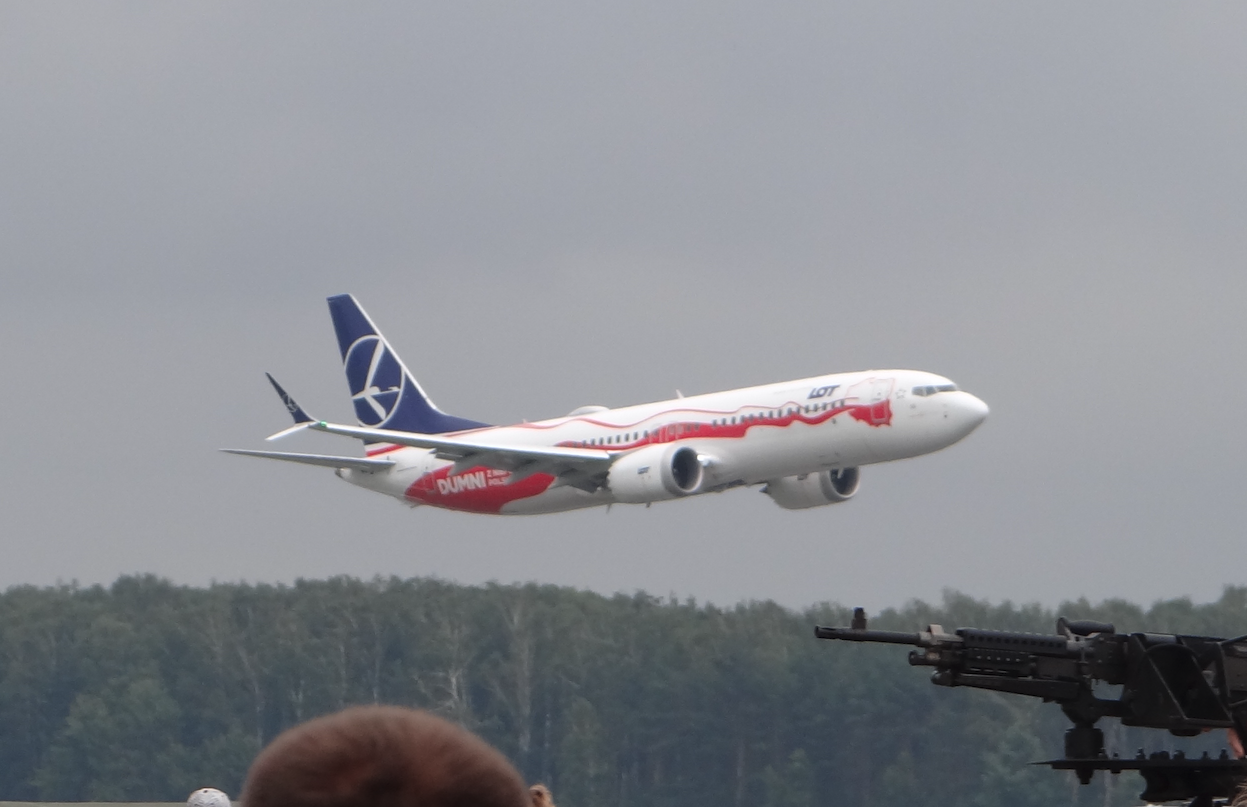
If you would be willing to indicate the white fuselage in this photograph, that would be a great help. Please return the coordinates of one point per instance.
(741, 437)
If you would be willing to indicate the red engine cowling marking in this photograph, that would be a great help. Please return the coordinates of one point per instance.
(479, 490)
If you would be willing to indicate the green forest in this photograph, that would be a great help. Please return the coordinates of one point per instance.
(146, 690)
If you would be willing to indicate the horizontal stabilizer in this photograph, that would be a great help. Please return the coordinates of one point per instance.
(355, 463)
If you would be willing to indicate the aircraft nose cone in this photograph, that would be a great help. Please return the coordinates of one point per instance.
(975, 411)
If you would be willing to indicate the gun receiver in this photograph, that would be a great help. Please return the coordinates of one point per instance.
(1184, 684)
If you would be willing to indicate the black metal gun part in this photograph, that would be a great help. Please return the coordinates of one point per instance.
(1183, 684)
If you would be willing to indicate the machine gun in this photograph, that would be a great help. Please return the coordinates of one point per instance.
(1185, 684)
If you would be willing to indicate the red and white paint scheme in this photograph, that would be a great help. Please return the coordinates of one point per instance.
(802, 440)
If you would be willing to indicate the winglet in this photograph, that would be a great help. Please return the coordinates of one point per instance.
(293, 408)
(301, 418)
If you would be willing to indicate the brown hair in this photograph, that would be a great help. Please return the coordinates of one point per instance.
(541, 796)
(382, 756)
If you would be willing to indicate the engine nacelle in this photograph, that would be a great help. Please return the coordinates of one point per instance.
(813, 490)
(655, 474)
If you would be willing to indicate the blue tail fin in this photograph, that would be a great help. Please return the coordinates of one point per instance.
(385, 394)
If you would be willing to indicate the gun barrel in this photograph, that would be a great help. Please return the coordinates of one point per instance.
(854, 635)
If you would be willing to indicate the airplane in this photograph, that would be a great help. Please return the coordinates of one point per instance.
(803, 441)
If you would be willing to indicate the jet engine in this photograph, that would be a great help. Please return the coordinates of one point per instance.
(813, 490)
(655, 474)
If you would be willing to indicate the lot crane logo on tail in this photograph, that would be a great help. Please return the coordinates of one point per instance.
(375, 377)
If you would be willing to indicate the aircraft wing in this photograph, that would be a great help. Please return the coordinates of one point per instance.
(584, 468)
(357, 463)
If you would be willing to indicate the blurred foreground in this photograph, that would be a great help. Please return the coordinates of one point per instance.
(147, 690)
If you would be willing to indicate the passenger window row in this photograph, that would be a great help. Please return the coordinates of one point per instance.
(626, 437)
(772, 414)
(678, 428)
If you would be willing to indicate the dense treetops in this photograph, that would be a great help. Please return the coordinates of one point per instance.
(146, 690)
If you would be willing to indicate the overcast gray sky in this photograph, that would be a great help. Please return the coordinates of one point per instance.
(546, 205)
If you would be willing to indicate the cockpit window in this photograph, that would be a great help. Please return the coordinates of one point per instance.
(932, 389)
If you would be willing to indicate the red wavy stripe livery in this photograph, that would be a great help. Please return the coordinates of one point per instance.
(479, 490)
(879, 414)
(485, 490)
(378, 451)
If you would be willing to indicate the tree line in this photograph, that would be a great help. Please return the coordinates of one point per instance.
(146, 690)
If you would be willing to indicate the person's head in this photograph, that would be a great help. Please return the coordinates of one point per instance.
(208, 797)
(381, 756)
(541, 796)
